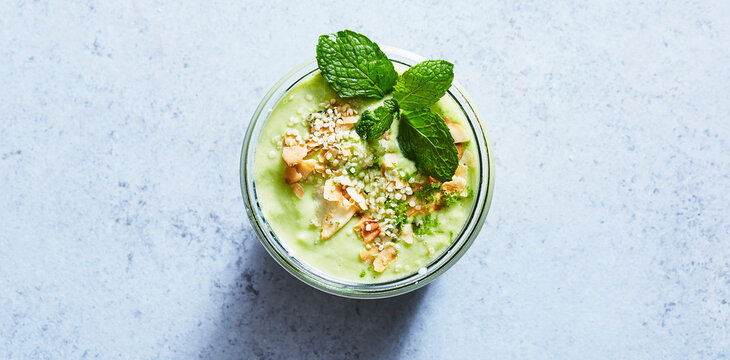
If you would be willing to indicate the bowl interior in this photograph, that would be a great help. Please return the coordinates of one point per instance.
(328, 283)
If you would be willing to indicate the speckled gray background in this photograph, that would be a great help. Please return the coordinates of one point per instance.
(123, 234)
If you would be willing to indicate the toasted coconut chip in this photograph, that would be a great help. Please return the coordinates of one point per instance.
(407, 234)
(319, 167)
(347, 122)
(368, 255)
(312, 146)
(384, 258)
(351, 120)
(298, 190)
(305, 167)
(458, 182)
(357, 198)
(291, 175)
(290, 140)
(361, 222)
(343, 180)
(467, 158)
(292, 155)
(369, 236)
(460, 171)
(330, 153)
(344, 127)
(460, 150)
(336, 219)
(332, 192)
(345, 153)
(458, 132)
(367, 228)
(456, 185)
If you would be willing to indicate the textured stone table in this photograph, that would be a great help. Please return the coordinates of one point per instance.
(123, 234)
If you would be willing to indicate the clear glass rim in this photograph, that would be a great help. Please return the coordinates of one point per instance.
(336, 286)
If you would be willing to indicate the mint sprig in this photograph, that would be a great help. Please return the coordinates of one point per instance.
(423, 135)
(424, 138)
(424, 84)
(373, 124)
(355, 66)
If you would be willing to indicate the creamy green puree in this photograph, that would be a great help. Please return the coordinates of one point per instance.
(296, 222)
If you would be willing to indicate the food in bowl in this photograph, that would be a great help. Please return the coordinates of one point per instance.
(364, 170)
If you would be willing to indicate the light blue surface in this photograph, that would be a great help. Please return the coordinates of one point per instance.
(123, 233)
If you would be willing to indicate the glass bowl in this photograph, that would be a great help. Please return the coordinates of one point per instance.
(331, 284)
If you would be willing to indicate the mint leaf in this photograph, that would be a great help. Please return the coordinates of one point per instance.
(424, 84)
(425, 139)
(373, 124)
(355, 66)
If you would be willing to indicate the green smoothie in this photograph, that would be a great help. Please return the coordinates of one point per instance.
(309, 157)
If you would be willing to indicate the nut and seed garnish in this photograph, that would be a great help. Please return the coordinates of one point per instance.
(388, 168)
(356, 178)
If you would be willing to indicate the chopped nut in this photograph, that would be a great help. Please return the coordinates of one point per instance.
(384, 258)
(291, 175)
(298, 190)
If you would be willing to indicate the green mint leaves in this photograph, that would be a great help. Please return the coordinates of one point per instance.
(373, 124)
(423, 135)
(424, 84)
(355, 66)
(424, 138)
